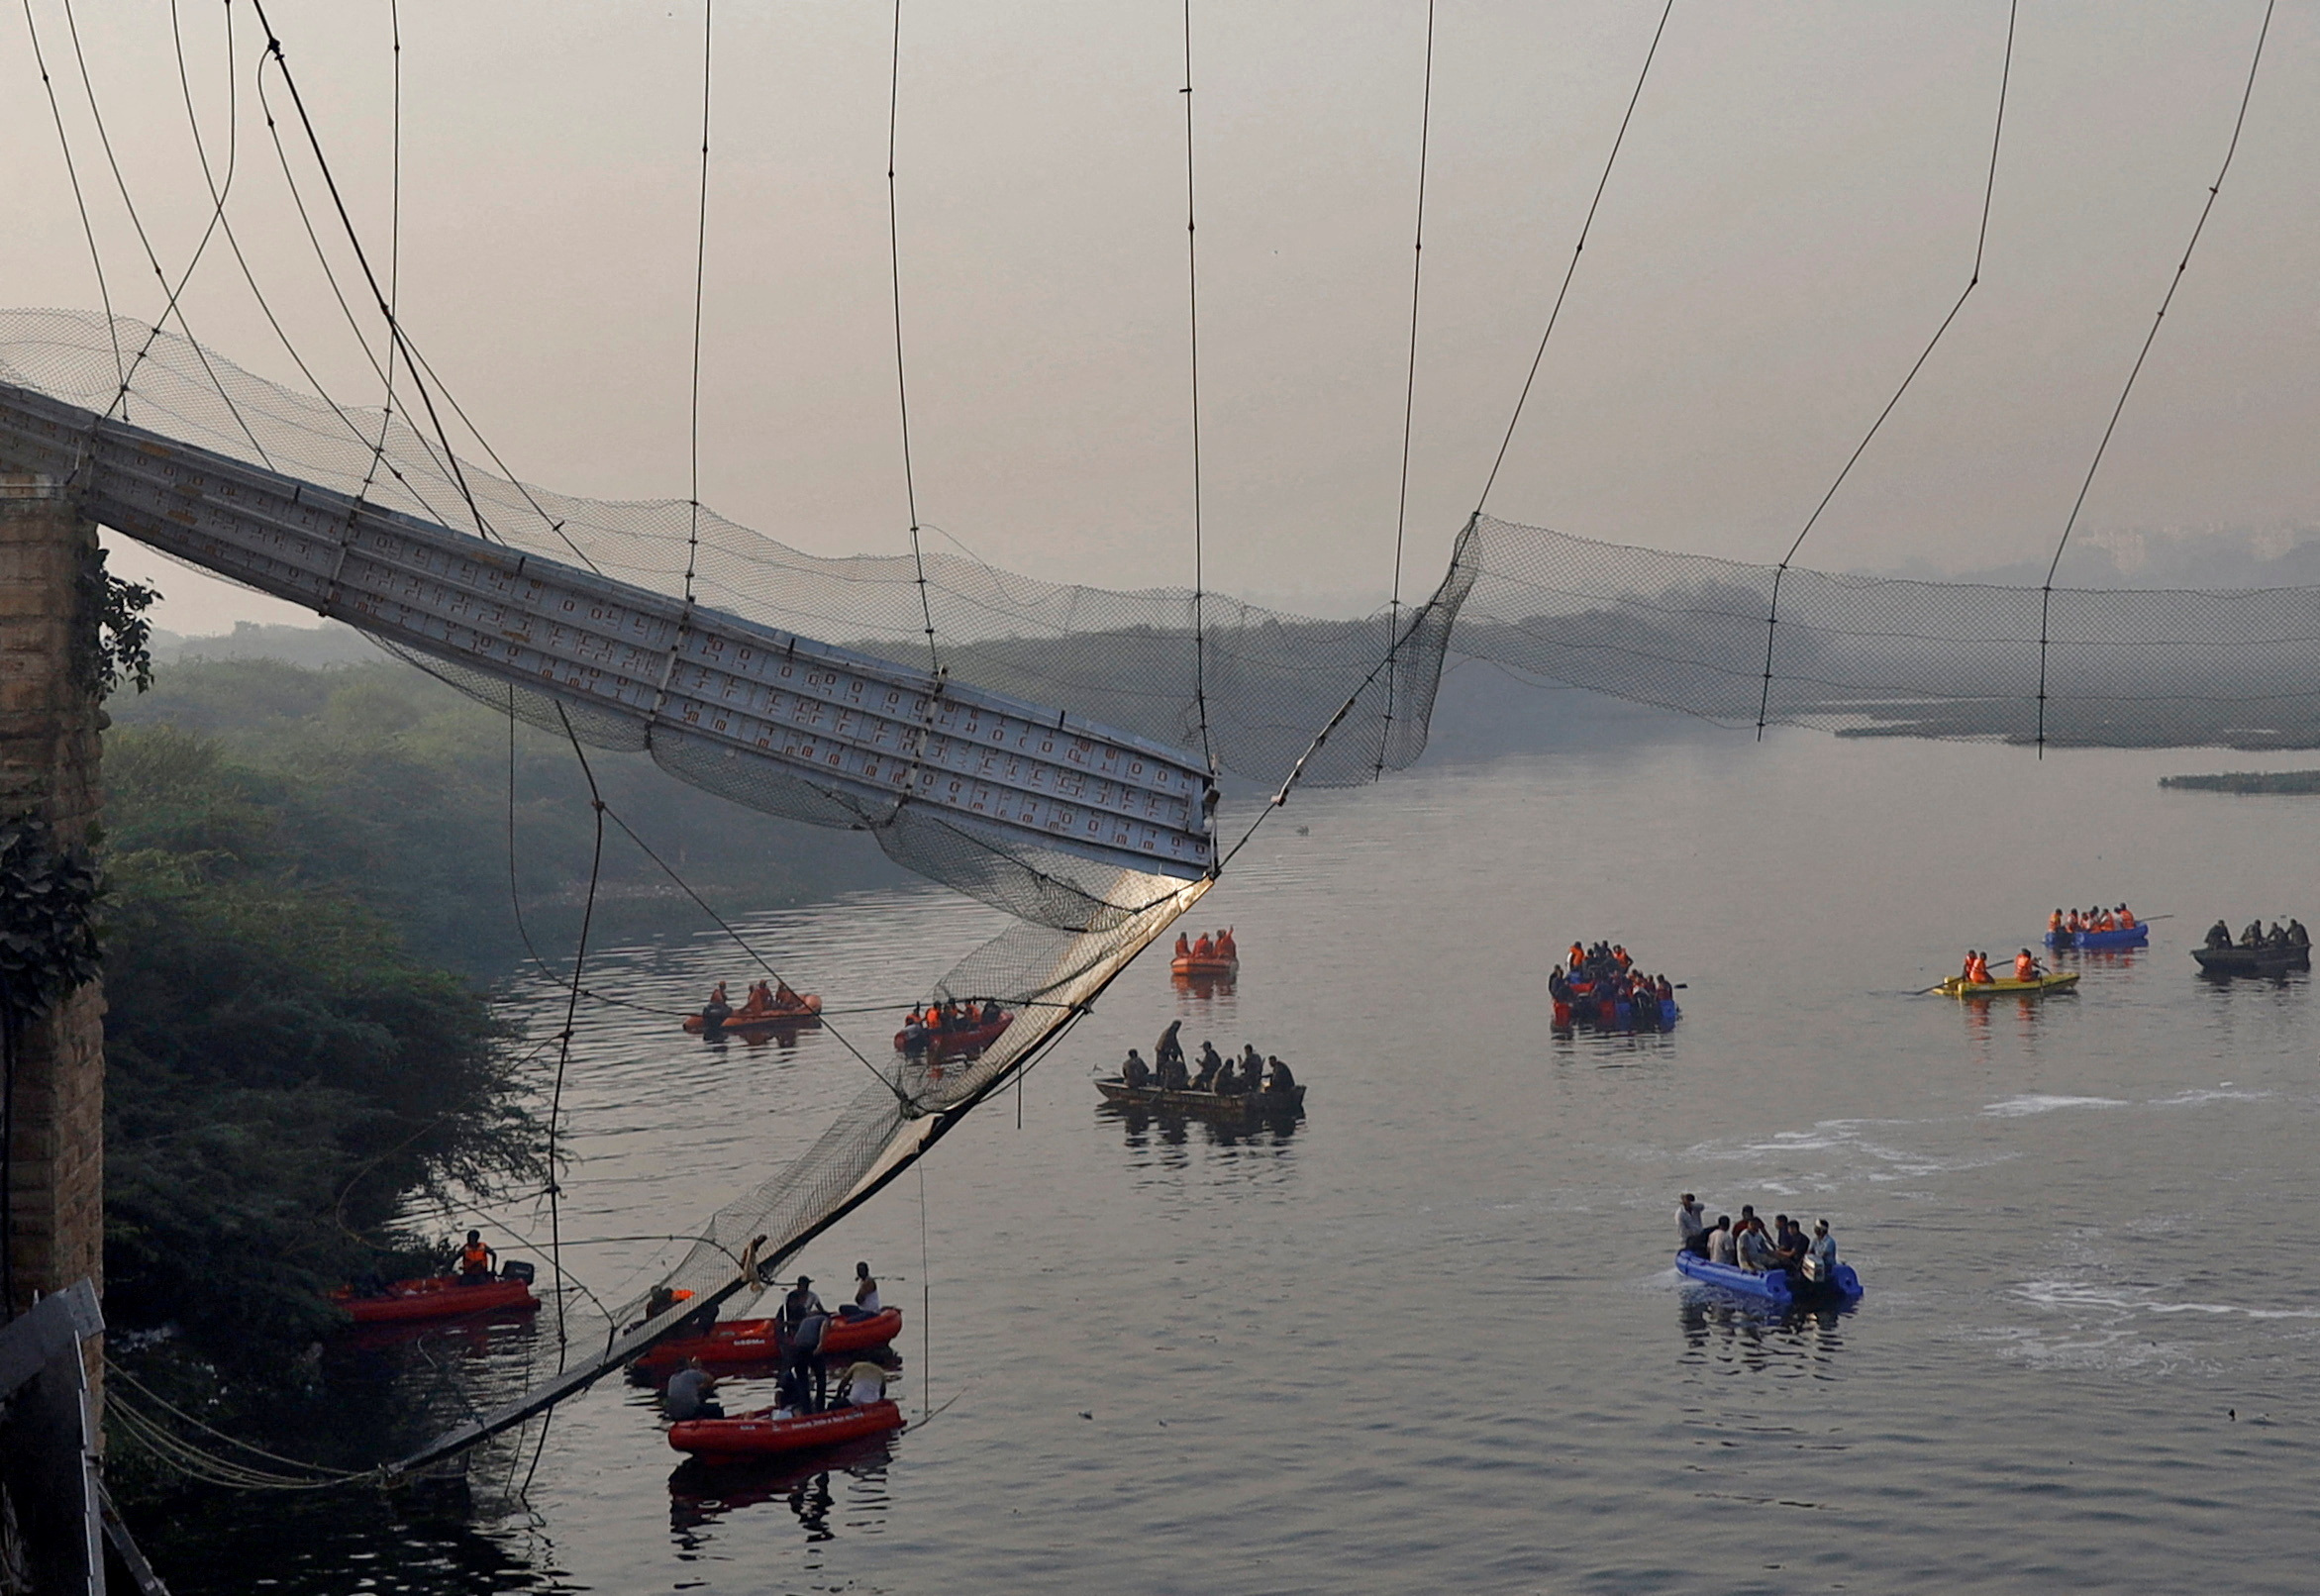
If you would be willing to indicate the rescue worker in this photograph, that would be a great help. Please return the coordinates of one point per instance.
(1204, 949)
(798, 1328)
(2025, 966)
(2053, 924)
(476, 1261)
(1183, 946)
(1135, 1074)
(1226, 948)
(2126, 918)
(1981, 975)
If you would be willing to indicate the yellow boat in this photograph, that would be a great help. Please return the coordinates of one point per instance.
(1958, 989)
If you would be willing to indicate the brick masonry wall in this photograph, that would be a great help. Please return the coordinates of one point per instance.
(49, 763)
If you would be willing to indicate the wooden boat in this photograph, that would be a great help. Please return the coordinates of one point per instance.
(970, 1039)
(753, 1340)
(2037, 986)
(761, 1435)
(2235, 961)
(2136, 936)
(1210, 1105)
(1773, 1287)
(807, 1011)
(440, 1297)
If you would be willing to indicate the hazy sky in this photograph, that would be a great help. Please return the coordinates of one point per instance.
(1792, 215)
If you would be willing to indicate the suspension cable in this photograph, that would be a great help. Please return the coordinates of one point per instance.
(79, 199)
(2046, 595)
(1192, 330)
(1572, 270)
(700, 277)
(918, 558)
(1401, 515)
(1972, 280)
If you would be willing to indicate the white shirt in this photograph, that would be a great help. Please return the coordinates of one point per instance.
(867, 1299)
(1720, 1245)
(1689, 1225)
(1824, 1248)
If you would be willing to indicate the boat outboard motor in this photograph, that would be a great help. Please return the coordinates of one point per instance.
(713, 1018)
(516, 1269)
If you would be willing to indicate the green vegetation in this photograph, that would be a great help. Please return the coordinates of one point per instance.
(307, 877)
(2249, 781)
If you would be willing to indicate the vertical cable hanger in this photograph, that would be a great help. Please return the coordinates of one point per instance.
(1192, 327)
(1989, 189)
(700, 275)
(918, 558)
(79, 199)
(1401, 515)
(386, 414)
(1572, 270)
(2046, 593)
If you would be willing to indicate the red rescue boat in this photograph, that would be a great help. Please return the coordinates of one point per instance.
(753, 1340)
(761, 1435)
(806, 1011)
(1206, 959)
(442, 1297)
(966, 1038)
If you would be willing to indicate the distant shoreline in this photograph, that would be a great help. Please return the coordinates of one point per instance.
(2250, 782)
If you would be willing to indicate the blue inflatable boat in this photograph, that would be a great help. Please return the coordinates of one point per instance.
(1769, 1288)
(2138, 935)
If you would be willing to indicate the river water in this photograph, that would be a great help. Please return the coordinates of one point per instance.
(1429, 1336)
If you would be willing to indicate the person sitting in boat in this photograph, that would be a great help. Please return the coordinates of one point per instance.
(2219, 935)
(1183, 946)
(1226, 948)
(785, 997)
(476, 1261)
(1667, 990)
(2253, 937)
(1279, 1078)
(1691, 1226)
(1788, 1241)
(865, 1380)
(991, 1011)
(2126, 918)
(1820, 1254)
(865, 1304)
(789, 1401)
(2053, 924)
(1981, 975)
(2298, 935)
(1210, 1063)
(1721, 1247)
(688, 1395)
(1135, 1074)
(1251, 1074)
(1755, 1248)
(1227, 1083)
(2026, 967)
(1205, 948)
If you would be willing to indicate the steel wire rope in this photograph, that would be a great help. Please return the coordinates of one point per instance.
(2046, 592)
(1570, 271)
(700, 277)
(72, 175)
(1401, 515)
(386, 413)
(1192, 332)
(901, 382)
(145, 242)
(1972, 280)
(414, 359)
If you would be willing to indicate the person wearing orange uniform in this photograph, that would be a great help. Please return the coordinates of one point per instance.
(1226, 948)
(1183, 946)
(2075, 925)
(2106, 922)
(1204, 949)
(2053, 924)
(475, 1260)
(2126, 918)
(1979, 973)
(1578, 959)
(2025, 966)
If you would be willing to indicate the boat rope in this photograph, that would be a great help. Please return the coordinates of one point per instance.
(1192, 332)
(2046, 594)
(700, 277)
(191, 1460)
(918, 558)
(1401, 513)
(926, 1303)
(1972, 280)
(1572, 270)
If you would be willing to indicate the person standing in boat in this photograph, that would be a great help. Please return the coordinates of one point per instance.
(2219, 935)
(1691, 1226)
(1168, 1046)
(798, 1330)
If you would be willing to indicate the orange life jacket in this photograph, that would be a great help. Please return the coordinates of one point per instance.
(2076, 923)
(2126, 920)
(1982, 976)
(1226, 948)
(1204, 949)
(2106, 922)
(2025, 968)
(2054, 921)
(475, 1257)
(1183, 946)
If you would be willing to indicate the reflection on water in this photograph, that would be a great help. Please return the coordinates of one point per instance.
(1146, 1128)
(1719, 1328)
(702, 1495)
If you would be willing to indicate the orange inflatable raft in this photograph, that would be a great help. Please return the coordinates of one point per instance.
(753, 1340)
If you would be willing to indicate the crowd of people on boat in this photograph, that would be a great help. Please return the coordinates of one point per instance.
(765, 999)
(2290, 937)
(808, 1381)
(1745, 1243)
(1606, 970)
(2080, 921)
(1975, 971)
(950, 1016)
(1212, 947)
(1251, 1074)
